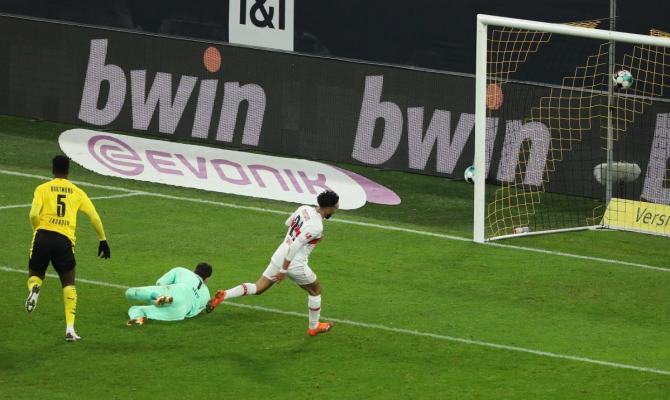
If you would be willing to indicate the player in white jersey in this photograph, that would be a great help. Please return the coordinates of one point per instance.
(305, 230)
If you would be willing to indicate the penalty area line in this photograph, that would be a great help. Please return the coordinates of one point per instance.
(358, 223)
(410, 332)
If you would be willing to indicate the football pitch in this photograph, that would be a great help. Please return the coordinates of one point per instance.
(421, 312)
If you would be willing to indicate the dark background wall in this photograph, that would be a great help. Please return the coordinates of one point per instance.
(315, 106)
(435, 34)
(298, 105)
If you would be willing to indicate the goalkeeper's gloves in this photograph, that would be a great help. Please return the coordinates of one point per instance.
(103, 250)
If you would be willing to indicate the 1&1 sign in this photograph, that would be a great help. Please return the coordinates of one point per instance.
(264, 23)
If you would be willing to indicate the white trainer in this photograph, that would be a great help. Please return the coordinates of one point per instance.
(31, 301)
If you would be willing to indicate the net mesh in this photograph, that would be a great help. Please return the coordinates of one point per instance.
(570, 125)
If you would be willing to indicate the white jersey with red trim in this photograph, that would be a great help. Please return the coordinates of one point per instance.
(305, 226)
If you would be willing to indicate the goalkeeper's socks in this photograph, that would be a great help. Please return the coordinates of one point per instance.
(241, 290)
(70, 301)
(314, 304)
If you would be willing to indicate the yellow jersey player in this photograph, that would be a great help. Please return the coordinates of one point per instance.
(53, 216)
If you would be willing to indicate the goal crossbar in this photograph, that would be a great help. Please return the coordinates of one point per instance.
(571, 30)
(483, 21)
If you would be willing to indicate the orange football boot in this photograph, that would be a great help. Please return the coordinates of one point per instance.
(218, 299)
(162, 300)
(137, 321)
(323, 327)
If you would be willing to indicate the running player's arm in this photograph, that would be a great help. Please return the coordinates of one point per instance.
(289, 221)
(168, 278)
(88, 208)
(35, 209)
(301, 240)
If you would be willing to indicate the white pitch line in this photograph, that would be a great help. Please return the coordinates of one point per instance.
(459, 340)
(404, 331)
(405, 230)
(360, 223)
(114, 196)
(89, 281)
(46, 178)
(590, 258)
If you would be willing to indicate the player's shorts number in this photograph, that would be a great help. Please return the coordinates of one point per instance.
(60, 206)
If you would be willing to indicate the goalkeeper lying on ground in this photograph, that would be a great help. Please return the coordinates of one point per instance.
(178, 294)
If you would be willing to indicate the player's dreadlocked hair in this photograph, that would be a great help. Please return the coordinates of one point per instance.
(203, 270)
(327, 198)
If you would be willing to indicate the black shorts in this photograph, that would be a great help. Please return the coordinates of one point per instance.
(51, 247)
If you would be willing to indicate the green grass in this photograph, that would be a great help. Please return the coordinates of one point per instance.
(563, 305)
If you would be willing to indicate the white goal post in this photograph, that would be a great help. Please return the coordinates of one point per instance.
(484, 22)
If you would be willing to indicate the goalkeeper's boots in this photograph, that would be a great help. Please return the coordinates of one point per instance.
(323, 327)
(162, 300)
(31, 301)
(71, 336)
(218, 299)
(137, 321)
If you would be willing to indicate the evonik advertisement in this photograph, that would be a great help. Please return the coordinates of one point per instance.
(218, 170)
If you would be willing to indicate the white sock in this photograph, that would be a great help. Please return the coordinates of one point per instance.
(241, 290)
(314, 304)
(70, 330)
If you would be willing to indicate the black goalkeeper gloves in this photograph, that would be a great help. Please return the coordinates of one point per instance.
(103, 250)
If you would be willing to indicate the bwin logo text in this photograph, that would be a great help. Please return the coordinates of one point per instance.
(144, 103)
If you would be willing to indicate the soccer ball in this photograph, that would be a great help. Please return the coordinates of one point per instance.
(469, 174)
(623, 79)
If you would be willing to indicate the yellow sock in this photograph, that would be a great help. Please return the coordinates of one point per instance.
(32, 281)
(70, 300)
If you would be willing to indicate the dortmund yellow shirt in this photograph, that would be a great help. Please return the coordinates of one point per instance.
(55, 206)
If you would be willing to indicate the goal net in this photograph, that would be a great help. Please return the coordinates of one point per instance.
(560, 144)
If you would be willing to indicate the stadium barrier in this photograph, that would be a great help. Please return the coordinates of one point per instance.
(282, 103)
